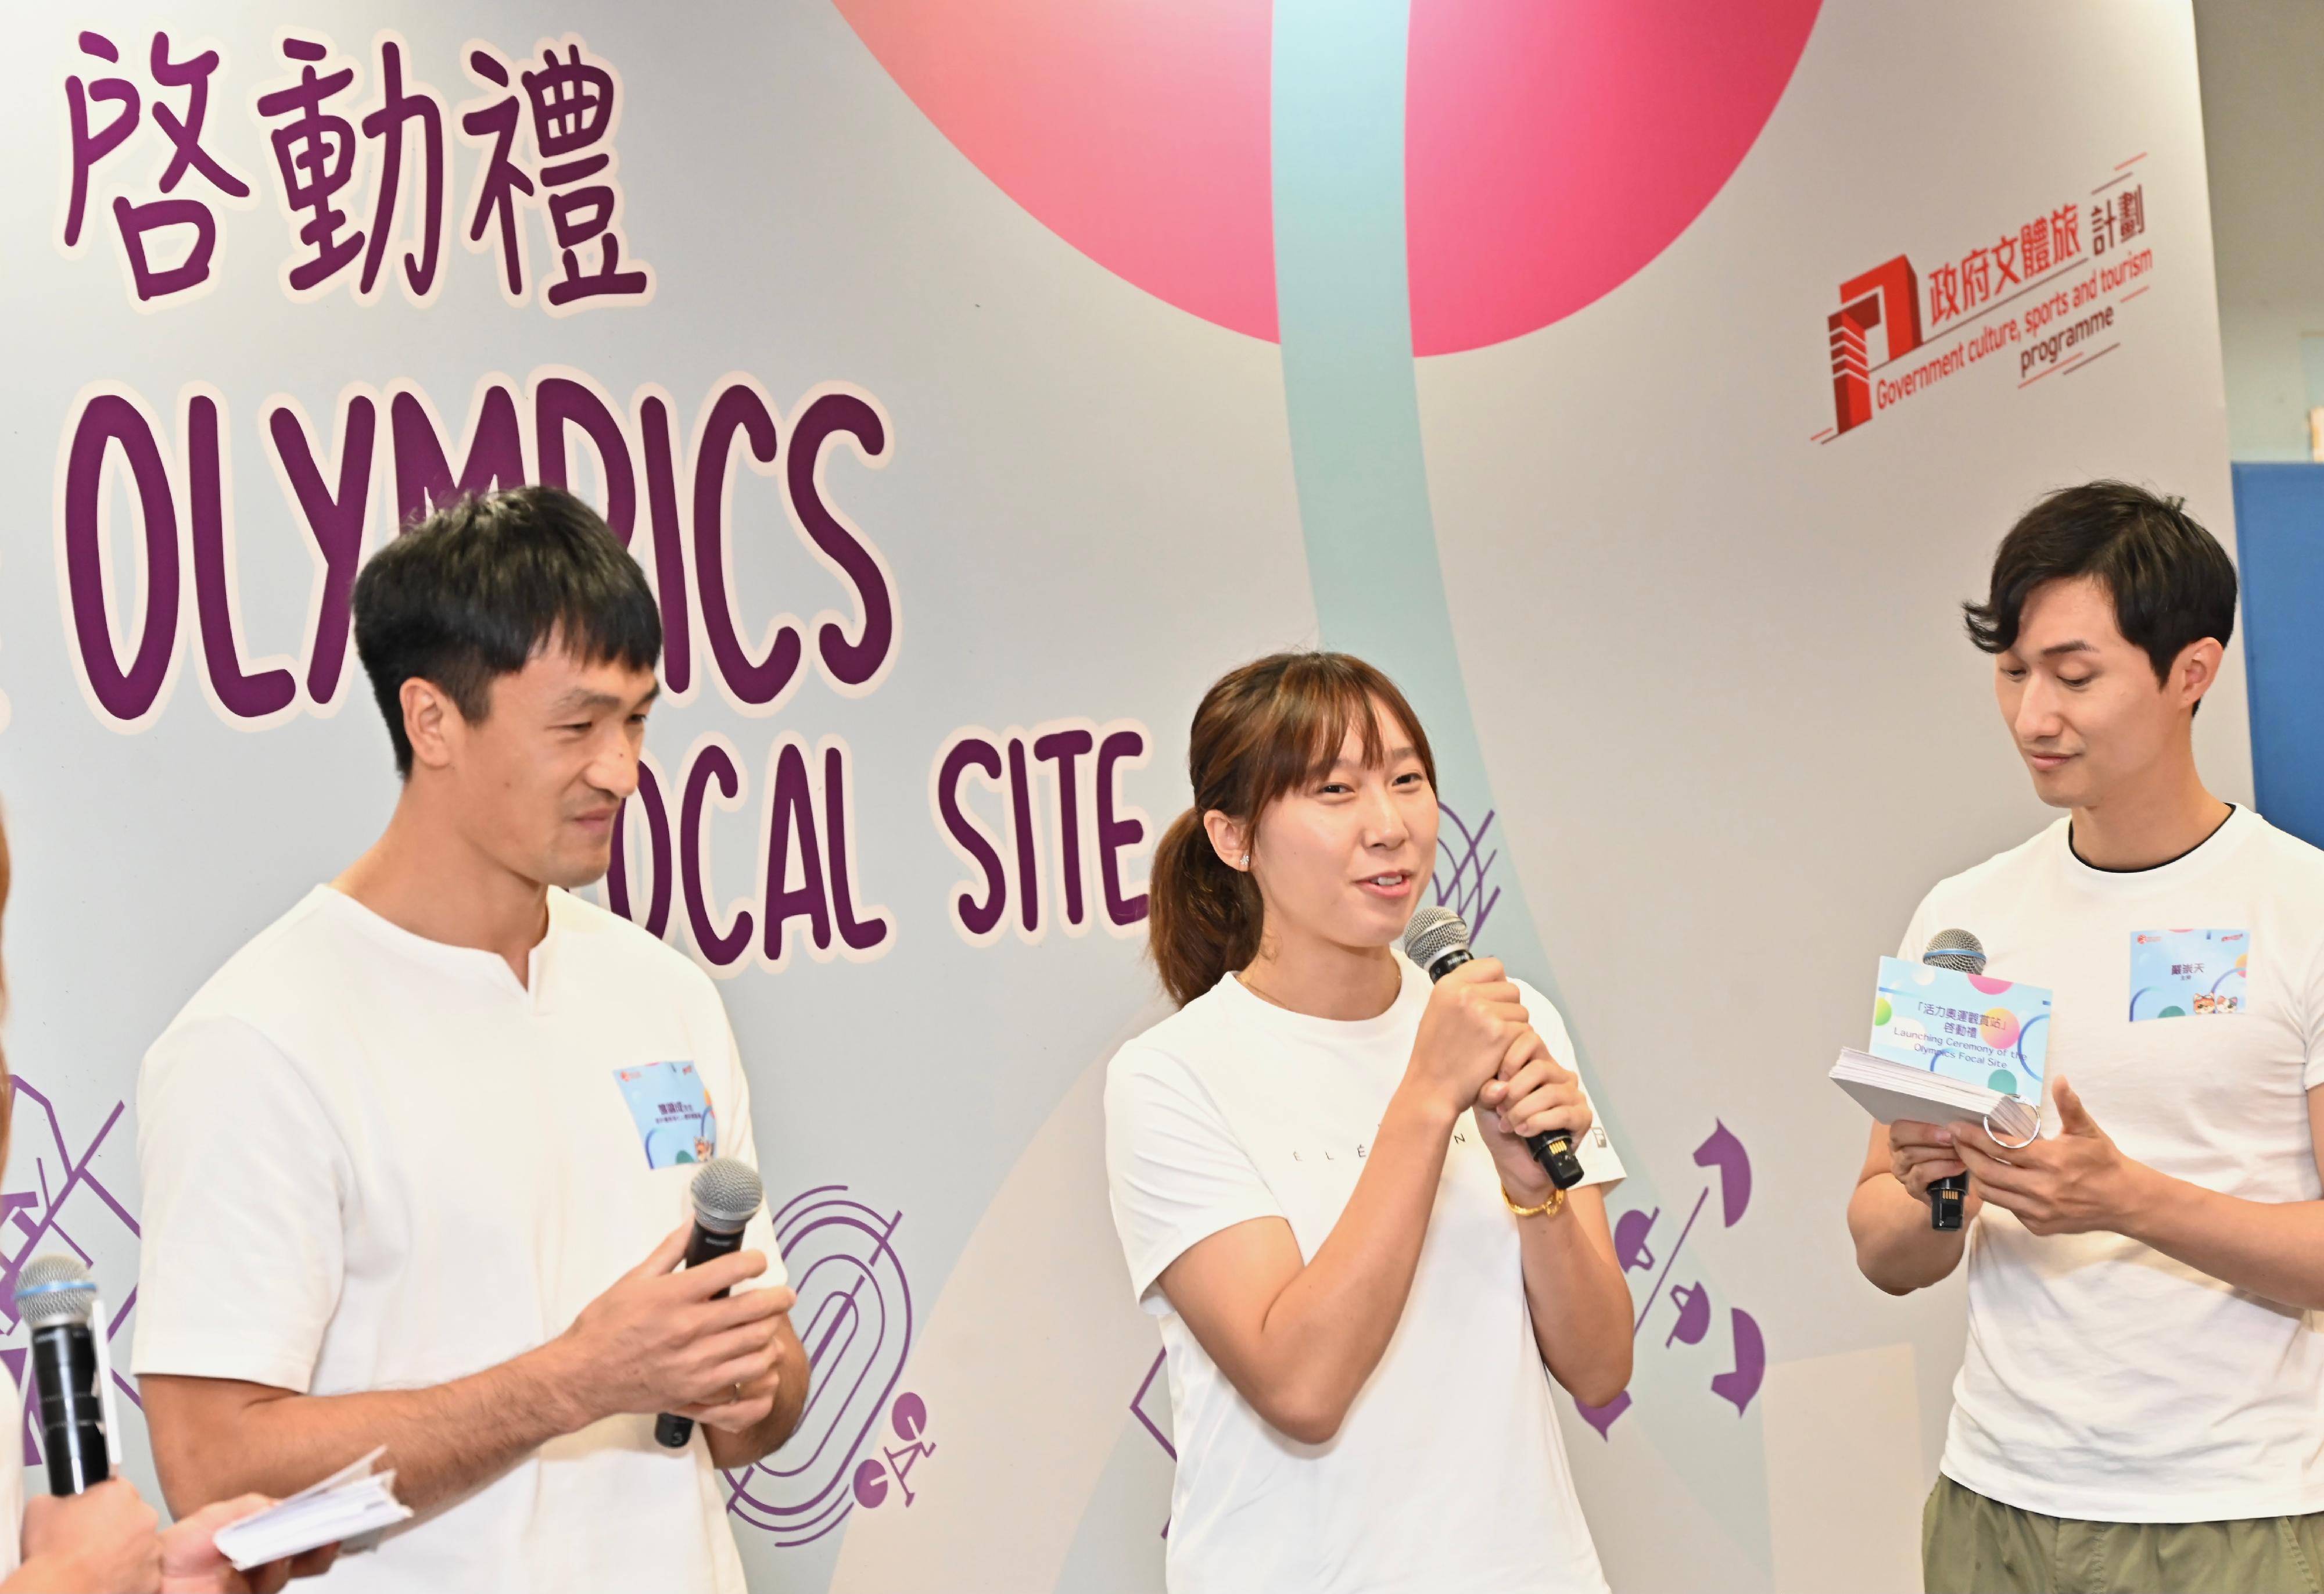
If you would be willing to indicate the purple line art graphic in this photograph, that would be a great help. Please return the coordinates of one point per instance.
(854, 1314)
(1460, 883)
(1137, 1407)
(1694, 1312)
(102, 1233)
(1137, 1403)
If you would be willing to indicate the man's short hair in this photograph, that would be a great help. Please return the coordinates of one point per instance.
(2172, 582)
(475, 590)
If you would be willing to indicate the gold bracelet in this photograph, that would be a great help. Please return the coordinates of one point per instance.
(1548, 1208)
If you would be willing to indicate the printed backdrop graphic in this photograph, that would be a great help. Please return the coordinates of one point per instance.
(975, 383)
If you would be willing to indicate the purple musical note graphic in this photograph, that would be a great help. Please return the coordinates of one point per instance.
(1693, 1315)
(1750, 1362)
(1723, 1152)
(1693, 1309)
(1601, 1418)
(1630, 1232)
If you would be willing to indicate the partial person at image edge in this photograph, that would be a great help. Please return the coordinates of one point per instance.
(107, 1540)
(2141, 1401)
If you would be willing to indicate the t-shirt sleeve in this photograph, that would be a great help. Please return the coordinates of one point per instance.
(243, 1243)
(737, 1140)
(1601, 1163)
(1175, 1171)
(2312, 1000)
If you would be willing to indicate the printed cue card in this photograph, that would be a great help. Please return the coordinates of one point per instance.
(1966, 1026)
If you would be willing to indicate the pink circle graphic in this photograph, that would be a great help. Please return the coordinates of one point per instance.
(1551, 151)
(1998, 1028)
(1988, 985)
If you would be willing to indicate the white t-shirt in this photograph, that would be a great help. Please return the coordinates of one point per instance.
(2103, 1380)
(1448, 1474)
(377, 1162)
(11, 1476)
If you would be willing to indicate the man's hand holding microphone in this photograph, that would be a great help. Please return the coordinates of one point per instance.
(679, 1344)
(664, 1339)
(1919, 1154)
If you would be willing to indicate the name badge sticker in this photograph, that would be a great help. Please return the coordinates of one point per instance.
(2189, 973)
(671, 1107)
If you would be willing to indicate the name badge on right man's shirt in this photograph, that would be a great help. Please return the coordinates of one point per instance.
(2187, 973)
(673, 1109)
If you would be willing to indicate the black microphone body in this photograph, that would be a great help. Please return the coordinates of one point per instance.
(72, 1414)
(1553, 1149)
(671, 1431)
(726, 1193)
(1945, 1197)
(1960, 951)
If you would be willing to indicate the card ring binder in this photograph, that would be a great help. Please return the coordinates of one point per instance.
(2004, 1142)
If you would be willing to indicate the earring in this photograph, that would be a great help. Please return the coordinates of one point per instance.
(1246, 862)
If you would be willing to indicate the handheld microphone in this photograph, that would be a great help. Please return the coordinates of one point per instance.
(727, 1195)
(1438, 940)
(1963, 953)
(56, 1298)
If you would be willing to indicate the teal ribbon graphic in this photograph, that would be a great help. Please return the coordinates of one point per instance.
(1353, 402)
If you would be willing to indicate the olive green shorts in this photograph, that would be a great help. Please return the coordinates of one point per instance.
(1971, 1544)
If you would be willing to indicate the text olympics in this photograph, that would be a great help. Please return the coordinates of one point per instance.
(1063, 829)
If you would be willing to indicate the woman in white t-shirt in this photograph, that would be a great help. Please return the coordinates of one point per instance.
(107, 1540)
(1322, 1186)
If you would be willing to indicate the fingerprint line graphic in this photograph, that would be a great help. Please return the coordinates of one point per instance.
(854, 1314)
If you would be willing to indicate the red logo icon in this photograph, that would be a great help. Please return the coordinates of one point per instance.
(1888, 296)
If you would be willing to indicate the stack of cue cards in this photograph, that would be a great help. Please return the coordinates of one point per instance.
(348, 1505)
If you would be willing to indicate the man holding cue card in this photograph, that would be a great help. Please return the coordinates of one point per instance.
(2141, 1400)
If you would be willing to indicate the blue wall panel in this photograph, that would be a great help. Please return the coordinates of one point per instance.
(2280, 544)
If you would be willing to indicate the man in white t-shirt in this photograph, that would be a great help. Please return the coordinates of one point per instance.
(2141, 1402)
(416, 1159)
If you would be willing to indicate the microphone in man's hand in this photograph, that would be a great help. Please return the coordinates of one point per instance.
(727, 1195)
(1438, 941)
(1963, 953)
(56, 1299)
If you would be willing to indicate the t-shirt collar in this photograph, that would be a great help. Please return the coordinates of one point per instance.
(2209, 853)
(471, 963)
(1248, 1006)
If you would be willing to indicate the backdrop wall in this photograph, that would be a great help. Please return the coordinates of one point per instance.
(1642, 386)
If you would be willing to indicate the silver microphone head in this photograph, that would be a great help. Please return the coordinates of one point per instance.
(1432, 932)
(52, 1290)
(727, 1195)
(1956, 949)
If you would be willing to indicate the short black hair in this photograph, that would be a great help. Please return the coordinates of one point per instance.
(475, 590)
(2172, 582)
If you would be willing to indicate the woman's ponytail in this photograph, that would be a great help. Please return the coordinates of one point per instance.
(1202, 916)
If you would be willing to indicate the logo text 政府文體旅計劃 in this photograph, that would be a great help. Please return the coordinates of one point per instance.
(2046, 291)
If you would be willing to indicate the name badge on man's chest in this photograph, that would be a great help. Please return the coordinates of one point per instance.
(2189, 973)
(671, 1107)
